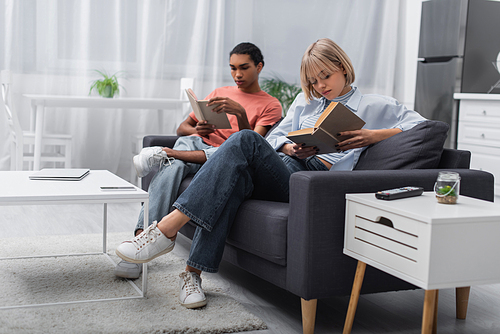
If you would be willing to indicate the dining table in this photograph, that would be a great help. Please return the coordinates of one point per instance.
(40, 102)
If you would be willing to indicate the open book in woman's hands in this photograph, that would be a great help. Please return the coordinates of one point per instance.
(324, 135)
(204, 113)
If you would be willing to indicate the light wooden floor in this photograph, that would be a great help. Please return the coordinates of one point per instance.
(394, 312)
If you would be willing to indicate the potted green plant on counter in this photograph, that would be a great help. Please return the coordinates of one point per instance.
(108, 85)
(283, 91)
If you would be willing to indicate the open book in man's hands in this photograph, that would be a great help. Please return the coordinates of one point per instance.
(204, 113)
(335, 119)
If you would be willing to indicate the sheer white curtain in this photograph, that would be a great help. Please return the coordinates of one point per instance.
(52, 47)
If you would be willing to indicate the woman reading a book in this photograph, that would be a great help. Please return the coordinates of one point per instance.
(247, 165)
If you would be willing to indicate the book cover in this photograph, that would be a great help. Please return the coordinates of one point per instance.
(335, 119)
(204, 113)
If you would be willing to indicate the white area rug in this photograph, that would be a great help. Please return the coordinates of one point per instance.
(48, 280)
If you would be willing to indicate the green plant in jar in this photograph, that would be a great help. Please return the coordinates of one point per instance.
(446, 195)
(447, 191)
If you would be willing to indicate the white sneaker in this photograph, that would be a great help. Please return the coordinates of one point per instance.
(148, 158)
(126, 269)
(191, 295)
(148, 245)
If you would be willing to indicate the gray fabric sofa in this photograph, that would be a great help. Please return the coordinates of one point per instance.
(298, 246)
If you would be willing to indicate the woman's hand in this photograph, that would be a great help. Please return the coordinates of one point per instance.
(364, 137)
(298, 151)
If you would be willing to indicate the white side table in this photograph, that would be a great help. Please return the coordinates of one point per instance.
(430, 245)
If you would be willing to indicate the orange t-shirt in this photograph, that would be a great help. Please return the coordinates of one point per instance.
(261, 108)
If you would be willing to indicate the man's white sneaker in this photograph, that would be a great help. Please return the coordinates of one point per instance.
(129, 270)
(148, 158)
(148, 245)
(191, 295)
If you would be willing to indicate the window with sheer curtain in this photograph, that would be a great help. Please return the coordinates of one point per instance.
(53, 46)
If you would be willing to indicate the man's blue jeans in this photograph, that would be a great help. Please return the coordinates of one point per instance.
(165, 184)
(244, 166)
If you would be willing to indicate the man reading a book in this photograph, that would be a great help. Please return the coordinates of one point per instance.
(247, 107)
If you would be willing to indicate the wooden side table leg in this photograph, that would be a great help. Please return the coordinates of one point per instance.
(308, 315)
(353, 302)
(435, 319)
(462, 301)
(430, 309)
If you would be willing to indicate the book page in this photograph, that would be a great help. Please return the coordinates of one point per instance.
(301, 132)
(196, 108)
(310, 137)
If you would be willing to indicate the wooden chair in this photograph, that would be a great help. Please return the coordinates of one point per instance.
(18, 152)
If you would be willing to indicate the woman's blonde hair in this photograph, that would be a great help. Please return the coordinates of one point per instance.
(322, 55)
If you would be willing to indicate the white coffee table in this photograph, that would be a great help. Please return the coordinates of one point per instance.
(17, 189)
(428, 244)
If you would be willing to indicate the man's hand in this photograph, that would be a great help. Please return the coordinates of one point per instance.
(298, 151)
(204, 129)
(226, 105)
(197, 157)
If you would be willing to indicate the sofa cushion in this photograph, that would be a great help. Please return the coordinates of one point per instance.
(260, 228)
(419, 147)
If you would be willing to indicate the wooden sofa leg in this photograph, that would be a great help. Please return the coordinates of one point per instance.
(308, 315)
(462, 301)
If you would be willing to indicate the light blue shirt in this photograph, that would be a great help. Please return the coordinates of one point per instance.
(378, 111)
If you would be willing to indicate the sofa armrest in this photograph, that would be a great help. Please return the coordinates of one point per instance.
(316, 265)
(163, 141)
(451, 158)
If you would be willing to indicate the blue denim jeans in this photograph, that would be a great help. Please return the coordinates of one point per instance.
(244, 166)
(165, 184)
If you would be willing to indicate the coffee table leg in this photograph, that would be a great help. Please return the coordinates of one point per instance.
(105, 229)
(353, 302)
(145, 265)
(429, 318)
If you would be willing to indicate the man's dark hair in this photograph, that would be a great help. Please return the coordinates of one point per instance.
(249, 49)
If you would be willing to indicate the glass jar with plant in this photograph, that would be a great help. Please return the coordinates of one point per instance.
(447, 187)
(283, 91)
(108, 85)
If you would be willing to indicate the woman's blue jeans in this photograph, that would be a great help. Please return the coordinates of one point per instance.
(244, 166)
(165, 184)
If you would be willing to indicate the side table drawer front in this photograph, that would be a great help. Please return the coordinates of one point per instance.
(480, 134)
(479, 111)
(387, 238)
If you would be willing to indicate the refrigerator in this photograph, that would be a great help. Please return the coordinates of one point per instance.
(458, 47)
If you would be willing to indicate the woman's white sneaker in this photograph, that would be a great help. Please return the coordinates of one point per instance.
(148, 245)
(191, 295)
